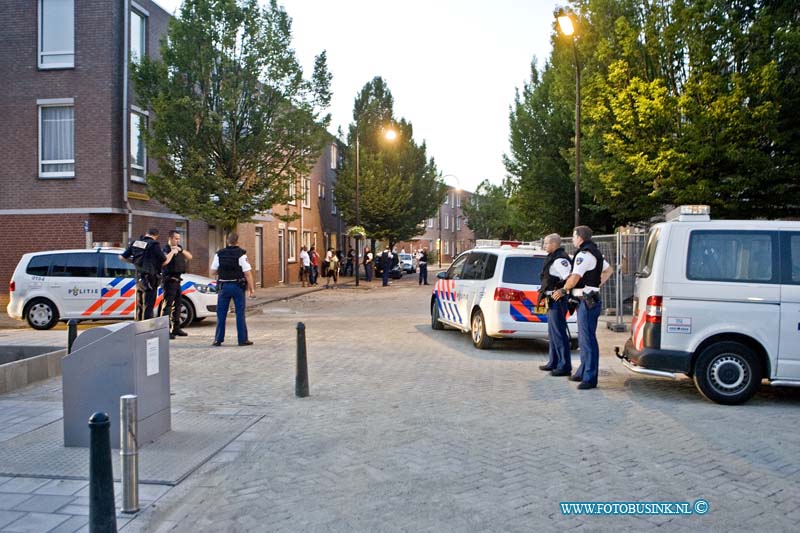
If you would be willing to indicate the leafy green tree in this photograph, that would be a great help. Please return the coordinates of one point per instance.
(235, 120)
(399, 186)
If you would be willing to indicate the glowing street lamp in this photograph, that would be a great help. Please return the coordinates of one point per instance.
(567, 28)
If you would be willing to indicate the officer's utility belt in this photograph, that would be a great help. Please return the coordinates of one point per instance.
(585, 292)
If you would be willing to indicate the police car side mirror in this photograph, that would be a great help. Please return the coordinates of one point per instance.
(442, 275)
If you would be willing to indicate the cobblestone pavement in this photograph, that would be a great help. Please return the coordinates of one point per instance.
(409, 429)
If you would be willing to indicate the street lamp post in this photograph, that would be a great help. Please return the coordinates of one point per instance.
(567, 28)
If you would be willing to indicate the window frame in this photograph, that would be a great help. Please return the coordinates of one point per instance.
(144, 16)
(144, 115)
(306, 191)
(774, 239)
(55, 102)
(291, 255)
(786, 256)
(334, 210)
(40, 41)
(292, 193)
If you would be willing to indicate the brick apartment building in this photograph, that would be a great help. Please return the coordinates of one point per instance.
(74, 165)
(449, 225)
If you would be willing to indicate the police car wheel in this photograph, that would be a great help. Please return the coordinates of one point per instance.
(478, 331)
(187, 313)
(41, 314)
(435, 324)
(728, 373)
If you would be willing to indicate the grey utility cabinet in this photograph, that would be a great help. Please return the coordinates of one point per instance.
(110, 361)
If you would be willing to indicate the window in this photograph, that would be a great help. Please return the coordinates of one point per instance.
(458, 199)
(333, 201)
(791, 264)
(77, 265)
(306, 192)
(447, 222)
(114, 267)
(446, 247)
(292, 193)
(138, 36)
(307, 239)
(455, 270)
(292, 245)
(56, 33)
(38, 265)
(474, 267)
(738, 256)
(447, 199)
(648, 257)
(430, 222)
(334, 157)
(138, 152)
(458, 223)
(321, 190)
(57, 141)
(523, 270)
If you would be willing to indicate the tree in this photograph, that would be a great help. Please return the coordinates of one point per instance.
(399, 186)
(235, 121)
(489, 212)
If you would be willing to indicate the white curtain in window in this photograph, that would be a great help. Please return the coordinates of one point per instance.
(58, 139)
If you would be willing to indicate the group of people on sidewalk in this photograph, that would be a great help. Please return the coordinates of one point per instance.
(329, 267)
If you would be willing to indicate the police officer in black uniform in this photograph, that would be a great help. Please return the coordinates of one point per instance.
(234, 275)
(171, 284)
(589, 271)
(422, 262)
(147, 256)
(555, 271)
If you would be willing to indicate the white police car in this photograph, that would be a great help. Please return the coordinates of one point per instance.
(91, 284)
(492, 293)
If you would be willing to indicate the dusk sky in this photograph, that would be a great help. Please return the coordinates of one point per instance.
(452, 67)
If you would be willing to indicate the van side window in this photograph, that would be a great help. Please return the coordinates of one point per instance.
(648, 257)
(473, 269)
(738, 256)
(79, 265)
(491, 266)
(523, 270)
(38, 265)
(456, 269)
(115, 267)
(792, 259)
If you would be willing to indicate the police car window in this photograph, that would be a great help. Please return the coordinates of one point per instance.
(648, 257)
(456, 269)
(115, 267)
(38, 265)
(732, 256)
(78, 265)
(473, 268)
(491, 266)
(523, 270)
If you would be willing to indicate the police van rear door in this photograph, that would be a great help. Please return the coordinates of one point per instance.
(118, 286)
(789, 347)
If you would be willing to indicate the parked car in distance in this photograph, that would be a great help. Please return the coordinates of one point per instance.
(492, 293)
(407, 263)
(91, 284)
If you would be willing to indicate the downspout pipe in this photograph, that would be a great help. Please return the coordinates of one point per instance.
(125, 67)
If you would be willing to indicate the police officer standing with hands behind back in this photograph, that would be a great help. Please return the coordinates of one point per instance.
(555, 271)
(171, 283)
(147, 256)
(233, 274)
(589, 272)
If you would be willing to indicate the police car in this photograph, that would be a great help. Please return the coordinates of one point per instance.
(491, 292)
(719, 301)
(91, 284)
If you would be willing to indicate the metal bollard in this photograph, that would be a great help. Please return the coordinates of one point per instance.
(301, 379)
(72, 333)
(102, 513)
(129, 451)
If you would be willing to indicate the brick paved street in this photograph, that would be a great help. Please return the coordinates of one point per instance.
(408, 429)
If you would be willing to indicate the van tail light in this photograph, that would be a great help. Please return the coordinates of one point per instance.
(653, 310)
(12, 285)
(502, 294)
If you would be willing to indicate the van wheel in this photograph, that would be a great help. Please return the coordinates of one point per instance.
(41, 313)
(435, 324)
(187, 313)
(478, 332)
(727, 373)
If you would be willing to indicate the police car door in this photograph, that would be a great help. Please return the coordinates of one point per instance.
(447, 291)
(73, 282)
(118, 286)
(789, 346)
(472, 284)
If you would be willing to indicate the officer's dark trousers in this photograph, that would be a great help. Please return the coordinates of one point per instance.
(560, 358)
(171, 303)
(227, 292)
(423, 273)
(145, 298)
(368, 271)
(386, 276)
(587, 337)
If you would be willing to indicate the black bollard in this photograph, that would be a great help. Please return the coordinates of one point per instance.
(102, 512)
(72, 332)
(301, 380)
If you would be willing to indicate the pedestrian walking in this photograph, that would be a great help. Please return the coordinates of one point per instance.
(234, 276)
(313, 273)
(422, 263)
(305, 266)
(555, 271)
(172, 297)
(368, 264)
(589, 272)
(148, 258)
(333, 270)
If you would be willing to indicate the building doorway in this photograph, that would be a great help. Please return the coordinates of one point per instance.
(259, 267)
(282, 255)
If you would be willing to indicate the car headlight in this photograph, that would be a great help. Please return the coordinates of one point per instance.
(206, 289)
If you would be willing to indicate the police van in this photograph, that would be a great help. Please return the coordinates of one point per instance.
(719, 301)
(492, 292)
(91, 284)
